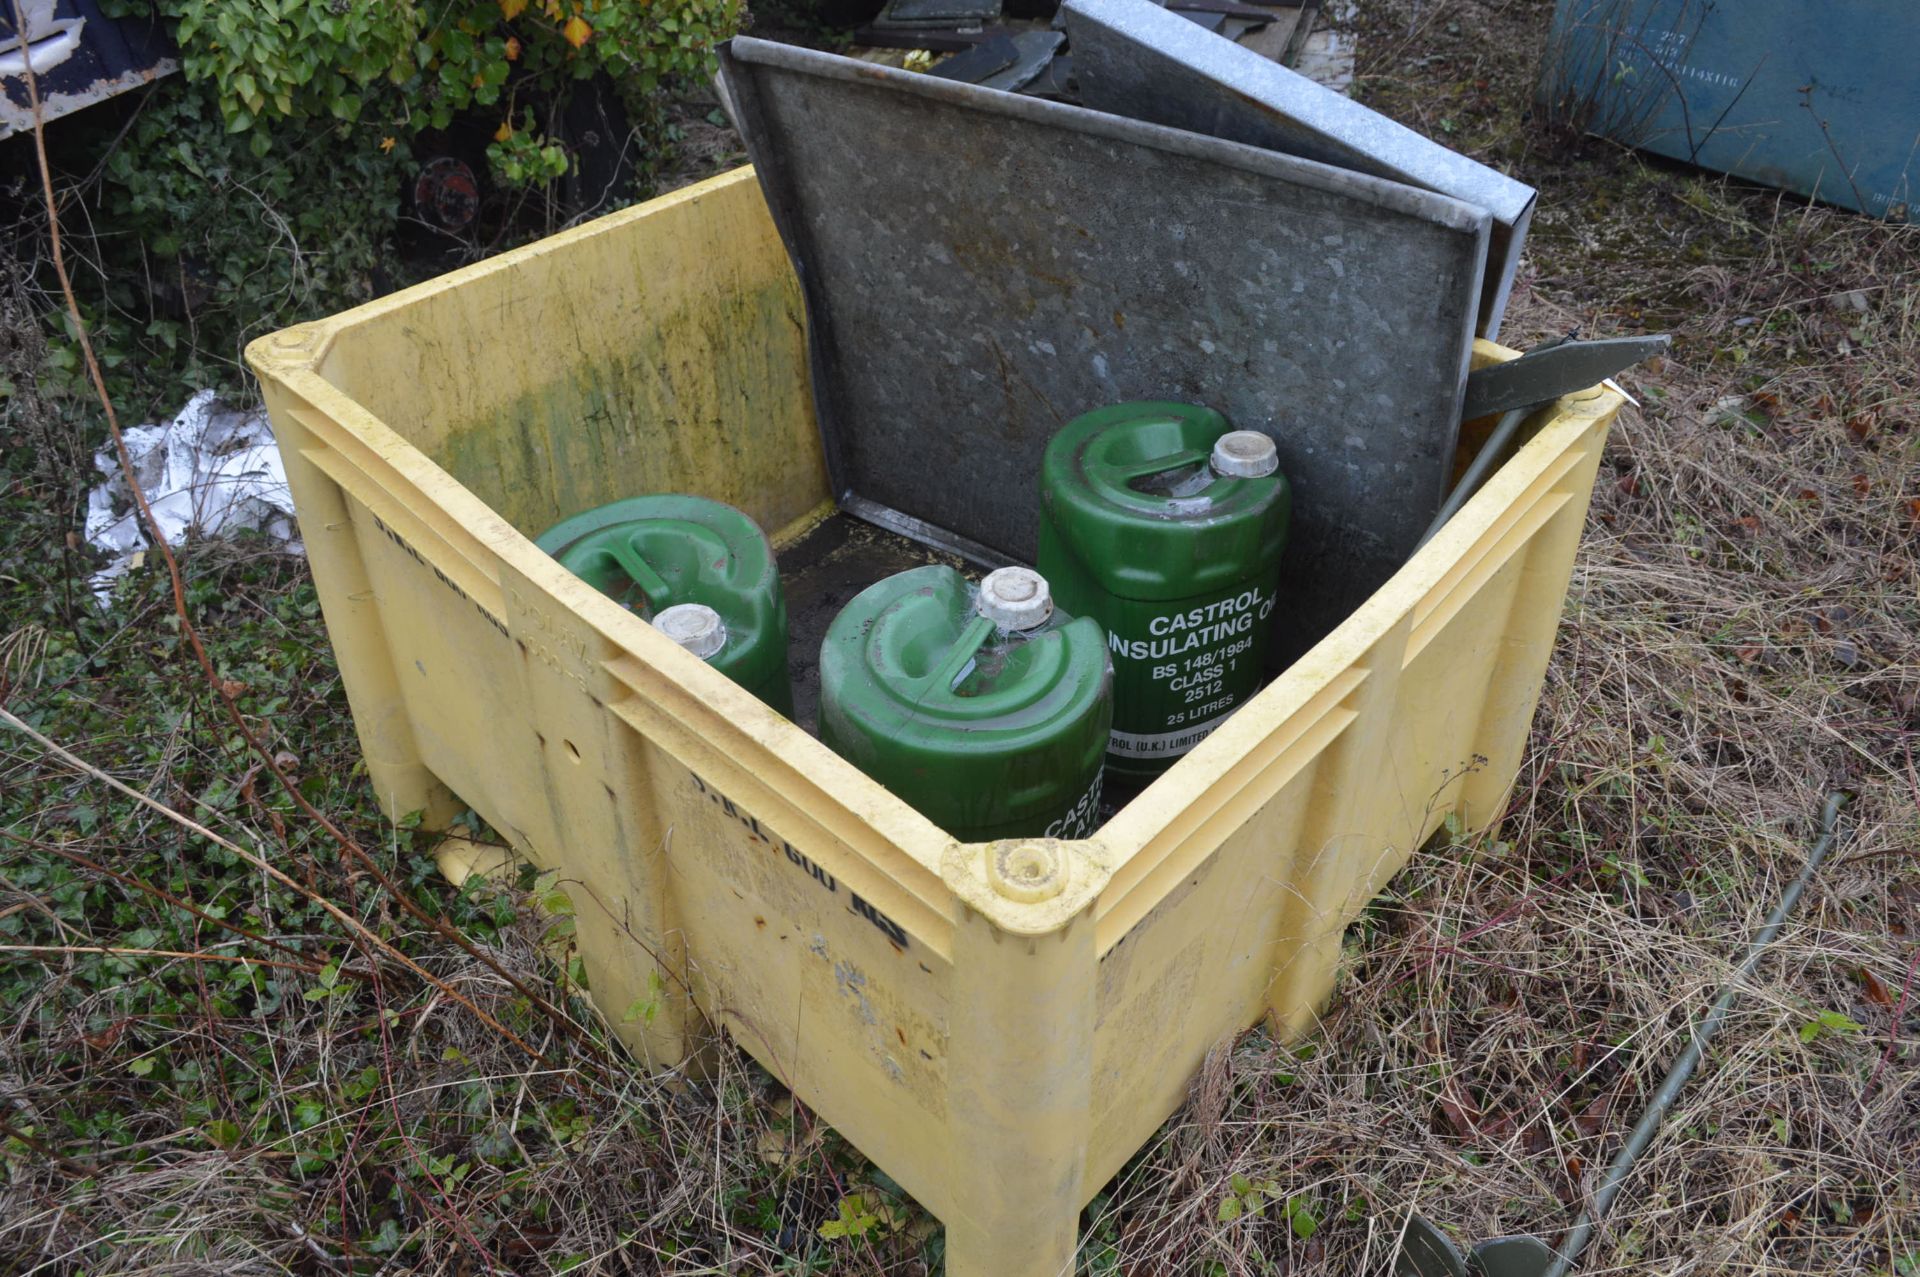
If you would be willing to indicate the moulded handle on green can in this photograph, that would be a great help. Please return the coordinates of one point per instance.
(676, 549)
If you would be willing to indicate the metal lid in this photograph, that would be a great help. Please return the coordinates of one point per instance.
(1245, 454)
(694, 626)
(1015, 598)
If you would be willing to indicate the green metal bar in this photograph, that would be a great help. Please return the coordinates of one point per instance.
(1483, 463)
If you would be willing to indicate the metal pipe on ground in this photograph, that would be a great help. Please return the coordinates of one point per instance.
(1425, 1251)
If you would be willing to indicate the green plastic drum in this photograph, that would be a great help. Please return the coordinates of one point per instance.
(699, 570)
(1163, 523)
(982, 707)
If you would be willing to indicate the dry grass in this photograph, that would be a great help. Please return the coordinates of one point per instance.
(1740, 636)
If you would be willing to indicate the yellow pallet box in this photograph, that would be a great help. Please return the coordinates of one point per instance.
(997, 1026)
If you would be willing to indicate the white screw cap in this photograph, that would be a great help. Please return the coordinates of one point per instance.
(1015, 598)
(1245, 454)
(694, 626)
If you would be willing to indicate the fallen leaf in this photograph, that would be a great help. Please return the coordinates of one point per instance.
(1913, 509)
(1570, 1189)
(1729, 408)
(1458, 1110)
(775, 1147)
(1809, 495)
(245, 789)
(105, 1039)
(1846, 653)
(1876, 992)
(230, 688)
(1860, 426)
(1862, 485)
(1593, 1119)
(1629, 484)
(1748, 653)
(1747, 525)
(530, 1241)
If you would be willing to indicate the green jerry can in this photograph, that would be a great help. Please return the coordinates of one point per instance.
(700, 571)
(1164, 524)
(981, 707)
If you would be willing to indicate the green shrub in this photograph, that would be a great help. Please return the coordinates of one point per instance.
(264, 184)
(215, 243)
(279, 61)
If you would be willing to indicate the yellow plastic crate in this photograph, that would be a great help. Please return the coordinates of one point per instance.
(998, 1026)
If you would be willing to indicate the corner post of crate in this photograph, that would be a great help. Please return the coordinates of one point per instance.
(401, 781)
(1020, 1054)
(1350, 841)
(1546, 567)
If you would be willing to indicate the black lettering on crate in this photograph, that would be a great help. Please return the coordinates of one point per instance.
(438, 575)
(888, 927)
(864, 908)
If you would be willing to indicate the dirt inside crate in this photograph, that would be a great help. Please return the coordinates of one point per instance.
(821, 573)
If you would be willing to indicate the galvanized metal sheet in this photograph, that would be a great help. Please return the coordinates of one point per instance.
(1036, 49)
(982, 267)
(1134, 58)
(1822, 98)
(989, 57)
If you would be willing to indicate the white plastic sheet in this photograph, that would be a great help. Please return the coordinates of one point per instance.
(211, 471)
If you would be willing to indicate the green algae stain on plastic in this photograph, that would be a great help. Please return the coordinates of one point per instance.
(1163, 523)
(700, 571)
(983, 708)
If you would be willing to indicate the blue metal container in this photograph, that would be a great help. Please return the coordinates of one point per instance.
(1818, 98)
